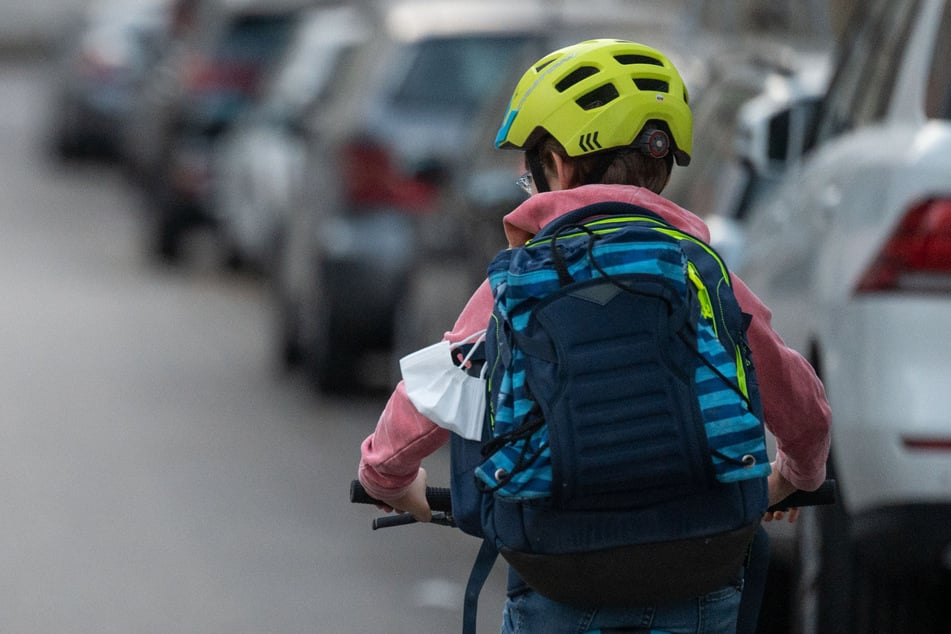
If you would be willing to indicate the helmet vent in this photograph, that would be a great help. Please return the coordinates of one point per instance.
(652, 85)
(629, 59)
(576, 76)
(598, 97)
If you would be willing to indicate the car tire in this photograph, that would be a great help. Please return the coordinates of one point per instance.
(287, 334)
(332, 366)
(168, 238)
(170, 225)
(330, 359)
(824, 570)
(328, 355)
(889, 598)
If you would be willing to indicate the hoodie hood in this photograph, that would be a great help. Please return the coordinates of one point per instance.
(528, 218)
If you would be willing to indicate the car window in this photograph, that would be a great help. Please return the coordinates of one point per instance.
(858, 94)
(885, 61)
(788, 131)
(938, 95)
(456, 73)
(778, 148)
(257, 38)
(309, 72)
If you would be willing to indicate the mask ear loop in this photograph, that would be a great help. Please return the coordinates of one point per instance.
(476, 338)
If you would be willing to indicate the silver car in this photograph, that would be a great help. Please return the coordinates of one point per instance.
(379, 156)
(260, 163)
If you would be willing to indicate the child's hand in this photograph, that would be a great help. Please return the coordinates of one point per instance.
(413, 500)
(779, 489)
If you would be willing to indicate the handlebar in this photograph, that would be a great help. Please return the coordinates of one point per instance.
(825, 494)
(440, 502)
(439, 498)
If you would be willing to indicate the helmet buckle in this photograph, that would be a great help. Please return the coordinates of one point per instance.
(655, 143)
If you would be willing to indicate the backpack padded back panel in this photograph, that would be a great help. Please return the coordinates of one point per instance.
(606, 453)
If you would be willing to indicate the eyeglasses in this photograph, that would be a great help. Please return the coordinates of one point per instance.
(525, 182)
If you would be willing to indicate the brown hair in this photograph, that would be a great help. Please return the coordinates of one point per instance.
(628, 167)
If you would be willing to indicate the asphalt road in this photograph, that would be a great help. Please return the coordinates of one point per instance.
(157, 475)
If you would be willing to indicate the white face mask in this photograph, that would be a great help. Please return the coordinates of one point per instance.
(445, 392)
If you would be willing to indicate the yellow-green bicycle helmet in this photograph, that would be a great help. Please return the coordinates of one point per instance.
(598, 95)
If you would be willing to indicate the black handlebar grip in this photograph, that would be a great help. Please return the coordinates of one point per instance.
(825, 494)
(439, 498)
(401, 519)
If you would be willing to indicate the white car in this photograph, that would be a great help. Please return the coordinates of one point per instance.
(853, 254)
(750, 124)
(769, 137)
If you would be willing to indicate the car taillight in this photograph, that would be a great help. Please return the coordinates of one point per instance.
(927, 443)
(203, 74)
(917, 256)
(371, 179)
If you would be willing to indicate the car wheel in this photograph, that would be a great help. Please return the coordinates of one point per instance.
(333, 366)
(168, 238)
(327, 352)
(287, 336)
(824, 571)
(889, 598)
(232, 259)
(66, 147)
(330, 357)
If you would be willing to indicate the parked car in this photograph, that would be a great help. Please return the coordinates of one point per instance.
(378, 161)
(852, 252)
(206, 82)
(750, 129)
(98, 63)
(739, 75)
(259, 163)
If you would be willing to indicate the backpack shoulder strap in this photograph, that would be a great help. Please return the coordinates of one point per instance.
(481, 568)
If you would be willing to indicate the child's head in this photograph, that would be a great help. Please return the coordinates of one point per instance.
(602, 111)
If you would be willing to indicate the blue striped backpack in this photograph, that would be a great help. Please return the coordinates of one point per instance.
(623, 460)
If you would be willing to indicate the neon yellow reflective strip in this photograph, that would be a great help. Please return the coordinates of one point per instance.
(686, 236)
(593, 224)
(706, 306)
(741, 373)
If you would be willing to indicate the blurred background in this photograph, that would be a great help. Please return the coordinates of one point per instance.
(223, 222)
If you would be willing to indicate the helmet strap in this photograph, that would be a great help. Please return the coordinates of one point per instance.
(535, 166)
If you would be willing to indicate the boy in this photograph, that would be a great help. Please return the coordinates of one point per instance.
(605, 120)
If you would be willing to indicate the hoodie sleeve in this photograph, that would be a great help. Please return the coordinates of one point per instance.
(390, 457)
(795, 407)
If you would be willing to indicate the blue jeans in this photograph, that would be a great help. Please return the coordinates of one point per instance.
(712, 613)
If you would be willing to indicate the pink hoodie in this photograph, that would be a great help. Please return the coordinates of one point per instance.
(794, 402)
